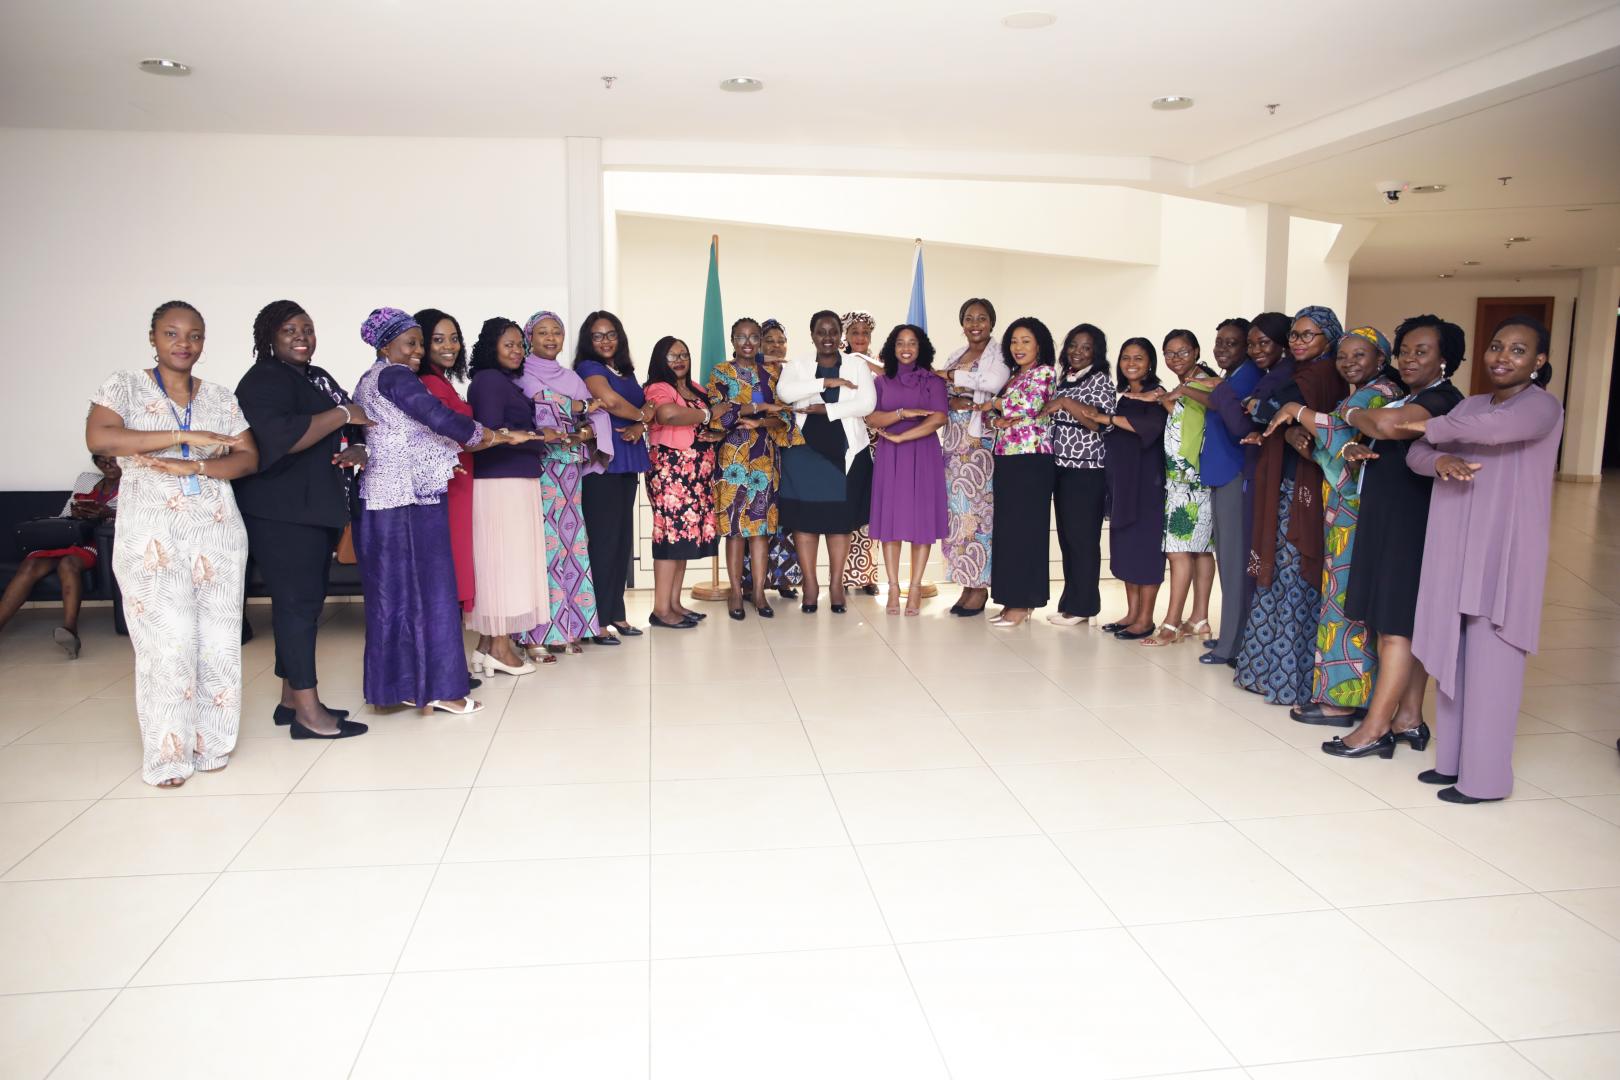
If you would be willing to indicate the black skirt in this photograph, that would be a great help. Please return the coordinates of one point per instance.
(1020, 554)
(817, 496)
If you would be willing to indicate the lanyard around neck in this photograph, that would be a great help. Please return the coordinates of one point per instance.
(182, 424)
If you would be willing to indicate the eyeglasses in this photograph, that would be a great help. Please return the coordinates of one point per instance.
(1305, 337)
(747, 339)
(1179, 354)
(609, 335)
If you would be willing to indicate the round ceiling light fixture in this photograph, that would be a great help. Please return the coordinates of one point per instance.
(1428, 189)
(1029, 20)
(741, 84)
(1472, 262)
(1172, 103)
(1518, 239)
(158, 66)
(1447, 275)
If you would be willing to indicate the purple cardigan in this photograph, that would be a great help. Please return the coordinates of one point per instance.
(498, 403)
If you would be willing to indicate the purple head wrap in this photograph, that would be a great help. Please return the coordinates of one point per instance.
(384, 325)
(528, 327)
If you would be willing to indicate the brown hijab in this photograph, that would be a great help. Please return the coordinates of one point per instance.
(1322, 387)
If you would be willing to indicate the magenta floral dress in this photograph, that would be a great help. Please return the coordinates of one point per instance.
(680, 487)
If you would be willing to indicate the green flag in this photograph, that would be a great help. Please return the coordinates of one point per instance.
(714, 349)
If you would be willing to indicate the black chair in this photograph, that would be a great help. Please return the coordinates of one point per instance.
(17, 507)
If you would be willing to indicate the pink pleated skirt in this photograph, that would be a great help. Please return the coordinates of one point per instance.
(509, 557)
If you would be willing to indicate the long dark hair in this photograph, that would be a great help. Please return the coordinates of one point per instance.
(1045, 351)
(583, 349)
(486, 350)
(428, 319)
(658, 370)
(1099, 348)
(265, 325)
(1150, 381)
(925, 350)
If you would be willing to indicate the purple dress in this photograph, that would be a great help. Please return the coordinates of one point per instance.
(414, 648)
(908, 479)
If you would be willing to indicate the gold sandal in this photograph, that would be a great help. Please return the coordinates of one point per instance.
(1158, 636)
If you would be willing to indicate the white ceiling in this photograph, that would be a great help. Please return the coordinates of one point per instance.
(928, 74)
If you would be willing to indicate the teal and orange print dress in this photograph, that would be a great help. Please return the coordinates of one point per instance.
(1346, 659)
(748, 465)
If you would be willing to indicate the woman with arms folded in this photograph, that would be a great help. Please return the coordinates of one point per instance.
(1134, 440)
(908, 471)
(680, 484)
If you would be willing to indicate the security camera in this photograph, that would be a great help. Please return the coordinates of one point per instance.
(1391, 189)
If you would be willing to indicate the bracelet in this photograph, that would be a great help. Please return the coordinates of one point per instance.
(202, 467)
(348, 416)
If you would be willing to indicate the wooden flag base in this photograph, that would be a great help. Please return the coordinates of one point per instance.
(710, 591)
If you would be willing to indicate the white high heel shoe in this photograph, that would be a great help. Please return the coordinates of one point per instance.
(489, 665)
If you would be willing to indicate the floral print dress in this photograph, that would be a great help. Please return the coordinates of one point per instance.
(748, 467)
(1189, 516)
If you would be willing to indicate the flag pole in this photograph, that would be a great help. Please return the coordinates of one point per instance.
(712, 590)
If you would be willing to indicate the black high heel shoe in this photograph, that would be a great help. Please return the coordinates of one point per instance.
(837, 609)
(284, 714)
(737, 613)
(789, 593)
(956, 608)
(1418, 736)
(1383, 746)
(765, 611)
(809, 609)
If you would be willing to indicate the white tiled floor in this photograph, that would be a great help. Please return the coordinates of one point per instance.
(820, 847)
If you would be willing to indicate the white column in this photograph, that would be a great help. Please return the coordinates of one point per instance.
(1591, 361)
(584, 216)
(1266, 282)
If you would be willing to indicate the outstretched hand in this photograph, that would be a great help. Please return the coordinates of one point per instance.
(1452, 467)
(172, 466)
(352, 458)
(1355, 453)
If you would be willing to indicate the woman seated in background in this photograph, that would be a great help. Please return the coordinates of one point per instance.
(860, 569)
(827, 481)
(680, 484)
(296, 506)
(1388, 560)
(181, 549)
(974, 374)
(748, 417)
(1134, 441)
(783, 561)
(1279, 644)
(602, 359)
(563, 403)
(1189, 520)
(94, 500)
(413, 620)
(444, 363)
(1080, 490)
(908, 469)
(1024, 472)
(1485, 558)
(1346, 662)
(512, 593)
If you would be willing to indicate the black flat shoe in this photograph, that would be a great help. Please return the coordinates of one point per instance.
(627, 630)
(1418, 736)
(737, 613)
(1313, 714)
(956, 609)
(1452, 795)
(766, 612)
(1383, 746)
(1210, 643)
(1211, 658)
(472, 684)
(869, 590)
(809, 609)
(347, 729)
(1232, 663)
(684, 624)
(603, 639)
(1131, 635)
(837, 609)
(788, 593)
(695, 616)
(284, 715)
(1435, 776)
(1111, 627)
(967, 612)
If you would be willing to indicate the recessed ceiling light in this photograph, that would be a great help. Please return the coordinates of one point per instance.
(1446, 275)
(164, 67)
(1472, 262)
(1173, 102)
(1428, 189)
(1577, 209)
(741, 84)
(1029, 20)
(1518, 239)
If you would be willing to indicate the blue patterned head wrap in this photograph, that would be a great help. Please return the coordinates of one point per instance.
(385, 324)
(1326, 321)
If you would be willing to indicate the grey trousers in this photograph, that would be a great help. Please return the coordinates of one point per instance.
(1233, 523)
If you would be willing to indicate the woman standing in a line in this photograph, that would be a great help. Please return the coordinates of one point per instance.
(974, 373)
(748, 459)
(827, 482)
(509, 518)
(413, 623)
(563, 403)
(443, 365)
(1279, 644)
(181, 547)
(1024, 472)
(1080, 493)
(296, 505)
(908, 470)
(860, 570)
(783, 574)
(1134, 441)
(680, 484)
(1484, 564)
(602, 359)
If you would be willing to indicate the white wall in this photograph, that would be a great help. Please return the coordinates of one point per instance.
(101, 227)
(1312, 279)
(1385, 304)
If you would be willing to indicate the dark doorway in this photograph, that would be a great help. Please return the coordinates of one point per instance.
(1611, 427)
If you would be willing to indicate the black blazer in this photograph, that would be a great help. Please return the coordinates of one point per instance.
(278, 401)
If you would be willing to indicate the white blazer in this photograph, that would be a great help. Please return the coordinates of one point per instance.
(798, 387)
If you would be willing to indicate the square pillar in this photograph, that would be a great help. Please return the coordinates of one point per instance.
(1591, 364)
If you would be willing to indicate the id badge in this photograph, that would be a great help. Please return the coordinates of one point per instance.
(190, 485)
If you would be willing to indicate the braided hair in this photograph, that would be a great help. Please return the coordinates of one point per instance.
(270, 319)
(174, 305)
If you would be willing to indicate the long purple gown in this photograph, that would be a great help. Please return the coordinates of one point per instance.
(908, 479)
